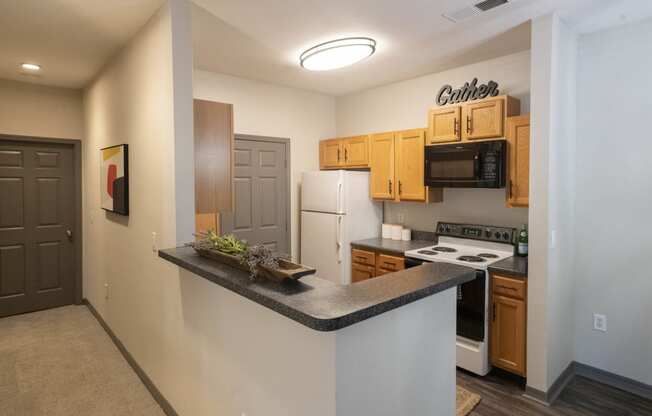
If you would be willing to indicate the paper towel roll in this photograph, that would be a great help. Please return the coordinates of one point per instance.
(397, 230)
(406, 234)
(387, 231)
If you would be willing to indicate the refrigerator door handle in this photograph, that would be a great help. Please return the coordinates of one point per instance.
(339, 198)
(338, 236)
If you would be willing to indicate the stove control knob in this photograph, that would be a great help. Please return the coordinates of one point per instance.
(442, 228)
(448, 229)
(506, 235)
(487, 233)
(497, 234)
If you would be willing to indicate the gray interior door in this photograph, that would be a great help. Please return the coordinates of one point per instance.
(36, 211)
(260, 189)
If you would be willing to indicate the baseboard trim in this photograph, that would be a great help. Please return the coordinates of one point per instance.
(601, 376)
(149, 384)
(614, 380)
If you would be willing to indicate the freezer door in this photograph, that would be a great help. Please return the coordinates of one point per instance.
(323, 191)
(322, 246)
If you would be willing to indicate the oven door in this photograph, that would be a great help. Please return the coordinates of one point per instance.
(471, 308)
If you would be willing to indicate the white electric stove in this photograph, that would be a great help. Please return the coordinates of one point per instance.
(475, 246)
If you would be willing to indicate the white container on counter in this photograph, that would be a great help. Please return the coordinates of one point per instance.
(406, 234)
(397, 232)
(387, 231)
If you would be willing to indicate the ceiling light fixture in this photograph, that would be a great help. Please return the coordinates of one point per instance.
(30, 67)
(337, 53)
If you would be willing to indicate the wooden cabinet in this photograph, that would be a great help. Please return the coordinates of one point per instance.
(330, 154)
(444, 124)
(518, 150)
(213, 140)
(474, 120)
(397, 163)
(366, 264)
(382, 166)
(349, 152)
(508, 324)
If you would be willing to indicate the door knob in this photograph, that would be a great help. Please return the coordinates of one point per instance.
(69, 234)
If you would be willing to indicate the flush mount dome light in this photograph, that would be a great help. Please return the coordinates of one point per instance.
(337, 53)
(30, 67)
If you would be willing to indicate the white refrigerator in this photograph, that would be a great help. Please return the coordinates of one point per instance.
(336, 208)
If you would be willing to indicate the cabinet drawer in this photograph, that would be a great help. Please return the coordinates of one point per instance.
(360, 272)
(507, 286)
(390, 263)
(363, 257)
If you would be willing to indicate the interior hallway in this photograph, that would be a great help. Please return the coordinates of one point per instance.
(61, 362)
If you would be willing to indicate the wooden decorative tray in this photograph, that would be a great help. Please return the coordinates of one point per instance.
(287, 270)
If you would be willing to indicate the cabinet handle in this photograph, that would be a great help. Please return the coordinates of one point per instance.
(390, 186)
(469, 126)
(511, 189)
(400, 187)
(456, 127)
(506, 288)
(494, 312)
(346, 154)
(338, 155)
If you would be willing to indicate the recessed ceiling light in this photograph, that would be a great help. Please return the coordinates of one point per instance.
(30, 67)
(337, 53)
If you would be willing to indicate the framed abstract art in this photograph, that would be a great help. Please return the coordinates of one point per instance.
(114, 179)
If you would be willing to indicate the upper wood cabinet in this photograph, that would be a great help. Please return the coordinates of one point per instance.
(382, 166)
(397, 163)
(410, 149)
(518, 149)
(349, 152)
(474, 120)
(444, 124)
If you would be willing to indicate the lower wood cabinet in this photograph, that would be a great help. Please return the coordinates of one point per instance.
(366, 264)
(508, 324)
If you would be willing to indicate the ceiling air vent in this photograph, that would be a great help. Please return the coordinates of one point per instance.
(474, 10)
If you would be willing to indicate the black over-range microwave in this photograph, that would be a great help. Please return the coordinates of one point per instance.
(466, 165)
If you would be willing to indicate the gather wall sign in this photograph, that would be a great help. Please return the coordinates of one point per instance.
(469, 92)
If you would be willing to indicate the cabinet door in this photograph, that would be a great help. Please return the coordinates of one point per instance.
(356, 152)
(360, 272)
(508, 334)
(483, 120)
(444, 125)
(518, 142)
(331, 154)
(382, 166)
(410, 146)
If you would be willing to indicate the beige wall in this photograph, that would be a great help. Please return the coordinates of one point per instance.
(36, 110)
(404, 105)
(270, 110)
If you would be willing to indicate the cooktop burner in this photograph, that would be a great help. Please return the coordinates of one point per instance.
(428, 252)
(488, 255)
(444, 249)
(472, 259)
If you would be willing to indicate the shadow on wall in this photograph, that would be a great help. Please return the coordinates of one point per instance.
(116, 218)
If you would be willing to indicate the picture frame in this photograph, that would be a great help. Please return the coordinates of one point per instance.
(114, 179)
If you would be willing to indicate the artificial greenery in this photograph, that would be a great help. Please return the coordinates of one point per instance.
(259, 255)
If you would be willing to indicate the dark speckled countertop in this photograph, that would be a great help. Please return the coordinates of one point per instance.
(320, 304)
(511, 266)
(396, 247)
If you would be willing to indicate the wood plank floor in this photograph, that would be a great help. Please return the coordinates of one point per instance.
(502, 395)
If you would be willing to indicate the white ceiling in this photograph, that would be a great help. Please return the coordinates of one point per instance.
(262, 40)
(71, 39)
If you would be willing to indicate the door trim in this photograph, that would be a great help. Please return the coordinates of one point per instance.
(286, 142)
(77, 172)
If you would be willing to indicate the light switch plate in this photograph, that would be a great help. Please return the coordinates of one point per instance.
(599, 322)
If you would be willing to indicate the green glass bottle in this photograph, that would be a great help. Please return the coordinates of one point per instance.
(522, 247)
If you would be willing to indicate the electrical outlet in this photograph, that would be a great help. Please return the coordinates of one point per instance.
(400, 218)
(106, 291)
(599, 322)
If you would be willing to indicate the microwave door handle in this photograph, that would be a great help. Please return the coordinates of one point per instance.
(476, 165)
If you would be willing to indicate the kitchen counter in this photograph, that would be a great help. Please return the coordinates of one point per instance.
(318, 303)
(511, 266)
(396, 247)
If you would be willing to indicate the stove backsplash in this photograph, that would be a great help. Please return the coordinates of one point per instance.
(470, 206)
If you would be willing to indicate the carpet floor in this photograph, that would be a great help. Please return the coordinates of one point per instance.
(61, 362)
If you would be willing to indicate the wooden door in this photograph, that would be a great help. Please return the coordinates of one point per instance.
(410, 149)
(508, 334)
(361, 272)
(383, 184)
(331, 154)
(37, 234)
(356, 152)
(444, 124)
(518, 142)
(483, 120)
(262, 197)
